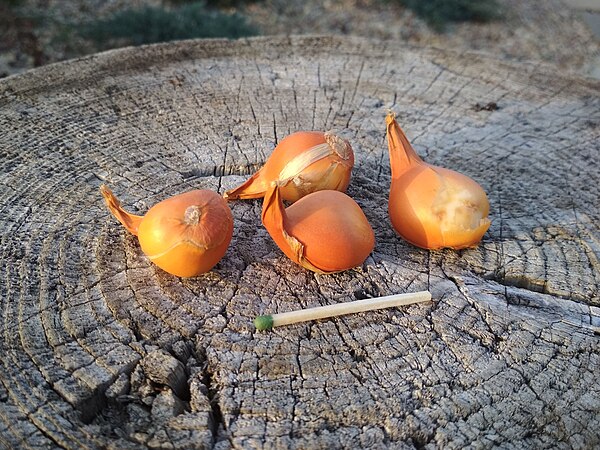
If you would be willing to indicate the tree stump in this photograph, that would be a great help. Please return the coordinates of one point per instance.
(101, 349)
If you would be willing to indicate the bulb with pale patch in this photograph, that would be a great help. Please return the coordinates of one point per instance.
(430, 206)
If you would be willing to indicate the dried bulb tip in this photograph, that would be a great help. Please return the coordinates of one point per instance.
(111, 201)
(192, 215)
(338, 145)
(391, 116)
(105, 191)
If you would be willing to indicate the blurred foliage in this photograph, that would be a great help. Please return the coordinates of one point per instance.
(10, 2)
(438, 13)
(159, 24)
(217, 3)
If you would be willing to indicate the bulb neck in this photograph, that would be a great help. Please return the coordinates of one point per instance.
(402, 154)
(338, 145)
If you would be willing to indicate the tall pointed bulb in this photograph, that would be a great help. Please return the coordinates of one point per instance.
(303, 162)
(430, 206)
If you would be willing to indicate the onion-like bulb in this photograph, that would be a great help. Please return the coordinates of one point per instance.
(185, 235)
(325, 231)
(303, 162)
(429, 206)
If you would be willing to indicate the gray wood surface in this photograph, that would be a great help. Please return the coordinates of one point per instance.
(100, 349)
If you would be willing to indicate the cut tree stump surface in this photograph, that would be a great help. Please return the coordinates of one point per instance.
(101, 349)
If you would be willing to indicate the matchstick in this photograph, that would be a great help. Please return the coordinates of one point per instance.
(321, 312)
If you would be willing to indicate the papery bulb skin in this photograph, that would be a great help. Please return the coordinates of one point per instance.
(451, 212)
(325, 231)
(185, 235)
(303, 162)
(429, 206)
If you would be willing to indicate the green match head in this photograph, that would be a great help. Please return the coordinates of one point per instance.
(263, 322)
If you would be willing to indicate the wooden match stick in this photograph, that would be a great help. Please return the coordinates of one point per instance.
(321, 312)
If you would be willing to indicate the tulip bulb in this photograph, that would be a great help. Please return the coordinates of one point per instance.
(429, 206)
(325, 231)
(185, 235)
(303, 162)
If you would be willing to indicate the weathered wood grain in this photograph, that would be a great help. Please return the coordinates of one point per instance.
(100, 349)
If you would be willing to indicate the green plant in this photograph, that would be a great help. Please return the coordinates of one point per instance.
(437, 13)
(155, 24)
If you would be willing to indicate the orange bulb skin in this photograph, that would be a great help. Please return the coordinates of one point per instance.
(287, 149)
(334, 230)
(430, 206)
(188, 234)
(416, 219)
(325, 231)
(333, 172)
(290, 147)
